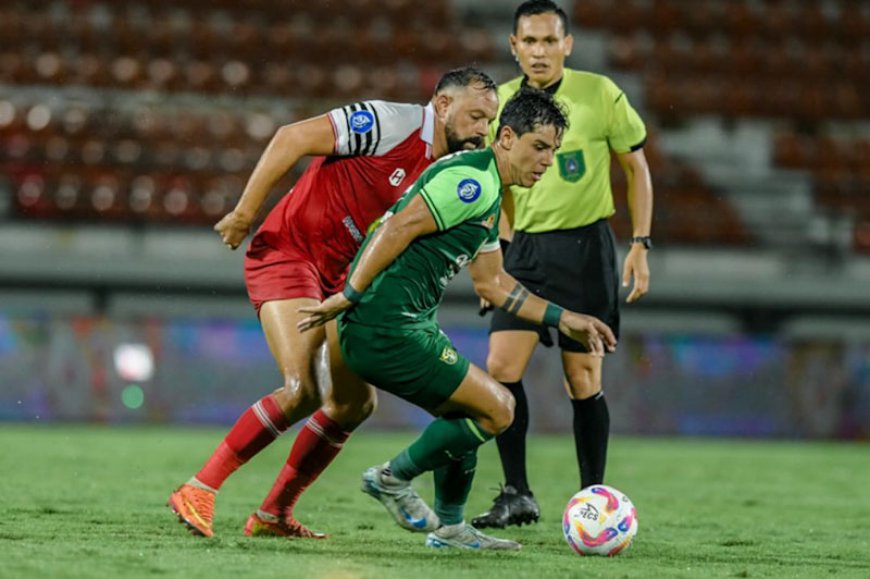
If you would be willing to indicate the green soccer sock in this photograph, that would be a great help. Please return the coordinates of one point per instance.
(443, 441)
(452, 485)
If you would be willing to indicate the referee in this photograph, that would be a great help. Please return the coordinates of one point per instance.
(562, 247)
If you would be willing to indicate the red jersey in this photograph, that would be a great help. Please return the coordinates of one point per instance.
(380, 149)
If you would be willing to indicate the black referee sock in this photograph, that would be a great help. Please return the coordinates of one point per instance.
(512, 442)
(591, 431)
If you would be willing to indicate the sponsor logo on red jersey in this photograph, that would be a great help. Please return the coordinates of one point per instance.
(397, 177)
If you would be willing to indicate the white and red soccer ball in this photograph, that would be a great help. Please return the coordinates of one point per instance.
(599, 520)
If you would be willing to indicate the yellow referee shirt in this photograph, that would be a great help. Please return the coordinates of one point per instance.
(576, 190)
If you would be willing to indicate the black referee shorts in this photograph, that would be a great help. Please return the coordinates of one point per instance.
(574, 268)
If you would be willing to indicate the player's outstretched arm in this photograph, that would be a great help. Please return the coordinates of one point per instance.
(290, 143)
(502, 290)
(505, 233)
(640, 205)
(390, 239)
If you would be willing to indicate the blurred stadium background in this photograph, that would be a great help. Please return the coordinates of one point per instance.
(127, 128)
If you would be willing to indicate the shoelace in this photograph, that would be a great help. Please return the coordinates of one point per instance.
(503, 496)
(502, 491)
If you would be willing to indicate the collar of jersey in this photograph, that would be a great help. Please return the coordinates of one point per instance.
(427, 133)
(550, 89)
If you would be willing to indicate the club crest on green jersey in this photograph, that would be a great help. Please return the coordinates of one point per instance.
(572, 165)
(449, 356)
(468, 190)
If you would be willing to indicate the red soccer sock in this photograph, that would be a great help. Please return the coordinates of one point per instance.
(317, 444)
(255, 429)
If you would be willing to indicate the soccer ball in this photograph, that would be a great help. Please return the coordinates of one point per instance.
(599, 520)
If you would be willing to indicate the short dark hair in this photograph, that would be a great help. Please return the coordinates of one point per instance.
(530, 108)
(533, 7)
(463, 77)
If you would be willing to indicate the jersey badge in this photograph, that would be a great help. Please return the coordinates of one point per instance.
(468, 190)
(361, 122)
(572, 165)
(397, 177)
(449, 356)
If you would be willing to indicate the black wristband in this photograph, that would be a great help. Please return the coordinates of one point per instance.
(351, 294)
(644, 240)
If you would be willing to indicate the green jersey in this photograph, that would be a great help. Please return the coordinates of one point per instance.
(463, 192)
(576, 191)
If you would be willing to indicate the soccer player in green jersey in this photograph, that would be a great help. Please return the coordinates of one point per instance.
(389, 334)
(561, 235)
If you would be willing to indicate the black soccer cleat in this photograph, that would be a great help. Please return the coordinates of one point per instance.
(509, 508)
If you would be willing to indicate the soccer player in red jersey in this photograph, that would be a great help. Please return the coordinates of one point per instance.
(366, 155)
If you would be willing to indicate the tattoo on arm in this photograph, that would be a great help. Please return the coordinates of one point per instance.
(515, 299)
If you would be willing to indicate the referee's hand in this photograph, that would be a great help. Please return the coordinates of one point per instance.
(636, 267)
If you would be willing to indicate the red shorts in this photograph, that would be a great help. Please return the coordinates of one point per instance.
(285, 273)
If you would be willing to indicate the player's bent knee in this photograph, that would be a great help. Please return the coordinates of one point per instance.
(298, 395)
(368, 407)
(502, 415)
(351, 414)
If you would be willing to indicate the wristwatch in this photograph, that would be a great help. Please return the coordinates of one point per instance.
(645, 240)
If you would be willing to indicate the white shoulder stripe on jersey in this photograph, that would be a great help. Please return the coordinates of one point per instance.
(373, 136)
(362, 143)
(386, 126)
(353, 135)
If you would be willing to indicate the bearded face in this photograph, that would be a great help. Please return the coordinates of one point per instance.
(457, 142)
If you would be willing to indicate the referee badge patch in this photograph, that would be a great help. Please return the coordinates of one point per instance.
(449, 356)
(361, 122)
(468, 190)
(572, 165)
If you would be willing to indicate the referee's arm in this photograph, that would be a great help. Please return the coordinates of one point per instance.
(640, 206)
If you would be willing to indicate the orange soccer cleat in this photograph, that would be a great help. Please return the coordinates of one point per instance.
(259, 526)
(195, 509)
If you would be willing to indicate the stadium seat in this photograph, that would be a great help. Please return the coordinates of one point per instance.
(765, 58)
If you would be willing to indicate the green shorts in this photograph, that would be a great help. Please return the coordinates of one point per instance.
(419, 365)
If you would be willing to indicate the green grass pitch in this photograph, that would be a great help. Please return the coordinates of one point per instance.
(90, 502)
